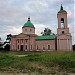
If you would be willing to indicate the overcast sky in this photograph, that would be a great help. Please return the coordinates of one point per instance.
(43, 13)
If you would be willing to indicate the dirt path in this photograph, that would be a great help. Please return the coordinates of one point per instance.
(21, 55)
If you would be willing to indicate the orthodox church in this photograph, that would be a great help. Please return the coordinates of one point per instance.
(29, 41)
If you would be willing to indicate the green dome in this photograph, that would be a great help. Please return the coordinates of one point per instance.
(28, 23)
(61, 9)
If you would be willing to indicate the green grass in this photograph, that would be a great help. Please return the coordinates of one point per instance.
(41, 62)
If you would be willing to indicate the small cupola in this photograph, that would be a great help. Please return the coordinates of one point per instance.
(28, 23)
(28, 27)
(61, 9)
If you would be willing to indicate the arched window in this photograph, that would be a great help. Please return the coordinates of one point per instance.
(25, 29)
(43, 47)
(62, 22)
(62, 32)
(30, 30)
(26, 46)
(18, 46)
(48, 47)
(37, 47)
(31, 47)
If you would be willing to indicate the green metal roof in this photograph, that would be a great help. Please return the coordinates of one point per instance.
(47, 37)
(61, 9)
(28, 24)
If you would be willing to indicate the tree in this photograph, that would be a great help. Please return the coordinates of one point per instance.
(1, 42)
(47, 31)
(7, 47)
(8, 37)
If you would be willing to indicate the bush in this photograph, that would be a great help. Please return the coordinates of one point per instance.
(7, 47)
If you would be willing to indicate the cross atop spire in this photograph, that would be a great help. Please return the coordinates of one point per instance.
(61, 7)
(29, 18)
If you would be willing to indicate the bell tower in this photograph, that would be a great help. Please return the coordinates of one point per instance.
(64, 38)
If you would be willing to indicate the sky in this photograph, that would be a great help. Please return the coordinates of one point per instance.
(43, 14)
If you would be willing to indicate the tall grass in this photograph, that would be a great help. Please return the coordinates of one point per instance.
(37, 61)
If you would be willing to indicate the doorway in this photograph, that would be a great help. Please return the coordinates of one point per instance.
(21, 47)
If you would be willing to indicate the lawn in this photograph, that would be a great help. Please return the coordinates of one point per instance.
(44, 63)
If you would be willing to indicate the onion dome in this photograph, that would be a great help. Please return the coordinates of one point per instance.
(28, 23)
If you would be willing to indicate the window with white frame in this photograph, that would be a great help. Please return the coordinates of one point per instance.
(43, 47)
(26, 46)
(48, 47)
(18, 41)
(18, 47)
(37, 47)
(31, 47)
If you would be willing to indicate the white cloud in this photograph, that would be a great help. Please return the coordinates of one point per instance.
(36, 6)
(15, 30)
(40, 28)
(72, 31)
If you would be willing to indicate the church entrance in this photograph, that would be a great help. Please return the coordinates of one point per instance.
(21, 47)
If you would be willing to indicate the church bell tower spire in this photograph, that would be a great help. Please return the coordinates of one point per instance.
(61, 7)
